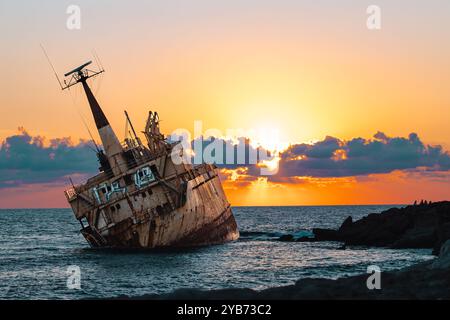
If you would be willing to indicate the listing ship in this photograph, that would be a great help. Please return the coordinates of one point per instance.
(142, 198)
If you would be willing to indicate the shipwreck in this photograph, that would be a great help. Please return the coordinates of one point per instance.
(141, 198)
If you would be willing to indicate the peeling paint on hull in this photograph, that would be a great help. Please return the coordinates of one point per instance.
(223, 230)
(205, 218)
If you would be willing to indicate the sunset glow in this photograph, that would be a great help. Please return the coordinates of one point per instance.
(304, 81)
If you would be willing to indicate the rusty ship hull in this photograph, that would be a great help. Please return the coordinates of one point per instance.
(142, 198)
(205, 218)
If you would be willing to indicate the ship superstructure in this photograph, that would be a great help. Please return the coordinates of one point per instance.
(141, 198)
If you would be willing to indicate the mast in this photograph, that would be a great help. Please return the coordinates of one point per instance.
(132, 128)
(113, 148)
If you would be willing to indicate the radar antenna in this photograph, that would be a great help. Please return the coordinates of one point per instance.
(80, 74)
(112, 159)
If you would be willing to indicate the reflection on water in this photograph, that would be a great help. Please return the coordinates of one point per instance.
(37, 246)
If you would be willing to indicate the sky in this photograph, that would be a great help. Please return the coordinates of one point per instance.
(361, 115)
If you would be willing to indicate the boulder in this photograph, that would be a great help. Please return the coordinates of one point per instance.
(442, 234)
(326, 234)
(443, 262)
(346, 224)
(424, 237)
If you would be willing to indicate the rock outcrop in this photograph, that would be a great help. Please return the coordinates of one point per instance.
(415, 226)
(444, 258)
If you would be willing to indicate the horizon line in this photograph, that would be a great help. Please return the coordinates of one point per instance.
(248, 206)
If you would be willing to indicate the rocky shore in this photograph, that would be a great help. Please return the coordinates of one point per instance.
(426, 225)
(428, 280)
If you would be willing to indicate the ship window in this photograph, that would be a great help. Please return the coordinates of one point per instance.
(108, 188)
(141, 174)
(113, 209)
(154, 170)
(118, 206)
(144, 194)
(84, 222)
(103, 190)
(127, 179)
(150, 192)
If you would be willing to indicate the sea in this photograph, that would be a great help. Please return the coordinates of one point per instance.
(44, 256)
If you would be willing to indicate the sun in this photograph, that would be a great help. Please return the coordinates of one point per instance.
(269, 136)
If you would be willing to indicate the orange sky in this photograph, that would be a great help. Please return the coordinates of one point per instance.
(394, 188)
(308, 70)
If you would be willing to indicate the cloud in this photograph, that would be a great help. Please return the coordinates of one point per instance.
(334, 158)
(382, 154)
(25, 159)
(226, 153)
(319, 150)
